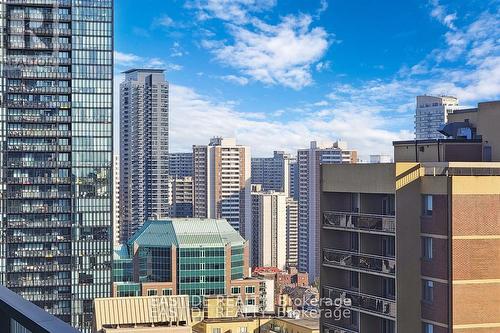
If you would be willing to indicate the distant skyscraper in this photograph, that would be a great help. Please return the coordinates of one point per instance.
(181, 164)
(56, 116)
(269, 229)
(116, 199)
(144, 109)
(309, 161)
(272, 172)
(221, 182)
(431, 114)
(292, 232)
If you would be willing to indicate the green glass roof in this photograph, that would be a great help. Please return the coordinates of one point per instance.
(186, 233)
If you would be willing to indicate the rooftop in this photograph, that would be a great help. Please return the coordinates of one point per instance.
(187, 233)
(305, 320)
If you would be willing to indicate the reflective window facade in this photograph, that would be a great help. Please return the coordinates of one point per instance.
(56, 136)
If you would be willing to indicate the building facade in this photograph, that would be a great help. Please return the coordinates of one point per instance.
(292, 233)
(309, 162)
(221, 182)
(182, 197)
(431, 114)
(269, 229)
(56, 116)
(180, 164)
(410, 243)
(144, 114)
(116, 199)
(272, 172)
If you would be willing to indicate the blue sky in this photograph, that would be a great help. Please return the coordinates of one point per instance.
(277, 74)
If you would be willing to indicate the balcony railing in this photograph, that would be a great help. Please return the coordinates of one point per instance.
(330, 328)
(383, 307)
(16, 311)
(359, 262)
(355, 221)
(56, 3)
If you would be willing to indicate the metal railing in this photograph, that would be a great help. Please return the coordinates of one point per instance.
(16, 311)
(354, 221)
(359, 261)
(363, 302)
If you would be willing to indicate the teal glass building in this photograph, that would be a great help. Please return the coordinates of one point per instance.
(194, 257)
(56, 82)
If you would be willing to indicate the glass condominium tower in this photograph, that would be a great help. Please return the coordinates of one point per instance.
(56, 153)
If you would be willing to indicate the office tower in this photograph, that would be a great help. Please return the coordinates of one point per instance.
(309, 161)
(292, 232)
(144, 110)
(56, 151)
(180, 164)
(293, 172)
(182, 197)
(272, 172)
(221, 182)
(431, 114)
(269, 229)
(380, 159)
(195, 257)
(116, 199)
(410, 243)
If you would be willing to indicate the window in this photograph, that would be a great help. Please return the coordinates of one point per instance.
(216, 330)
(243, 329)
(427, 207)
(428, 328)
(354, 280)
(166, 292)
(427, 248)
(250, 301)
(235, 290)
(250, 290)
(152, 292)
(428, 291)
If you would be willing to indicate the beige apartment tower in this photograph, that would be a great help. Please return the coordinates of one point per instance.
(221, 182)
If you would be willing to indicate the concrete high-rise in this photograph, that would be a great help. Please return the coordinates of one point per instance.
(309, 162)
(182, 197)
(116, 199)
(431, 114)
(56, 152)
(292, 232)
(221, 182)
(268, 239)
(411, 243)
(144, 133)
(293, 176)
(272, 172)
(180, 164)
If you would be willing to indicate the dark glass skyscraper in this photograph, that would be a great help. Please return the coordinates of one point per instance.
(56, 153)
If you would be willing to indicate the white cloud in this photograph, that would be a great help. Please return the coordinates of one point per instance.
(125, 59)
(208, 118)
(241, 80)
(439, 12)
(229, 10)
(274, 54)
(165, 21)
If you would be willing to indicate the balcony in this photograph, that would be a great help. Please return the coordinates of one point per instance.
(36, 105)
(40, 133)
(39, 224)
(330, 328)
(382, 307)
(39, 195)
(38, 180)
(39, 268)
(363, 222)
(38, 283)
(39, 90)
(39, 119)
(43, 209)
(360, 262)
(55, 3)
(39, 253)
(16, 311)
(39, 239)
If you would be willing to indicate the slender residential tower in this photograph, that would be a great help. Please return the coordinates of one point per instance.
(221, 183)
(144, 149)
(431, 114)
(56, 115)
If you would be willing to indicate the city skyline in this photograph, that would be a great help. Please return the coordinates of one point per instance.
(363, 80)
